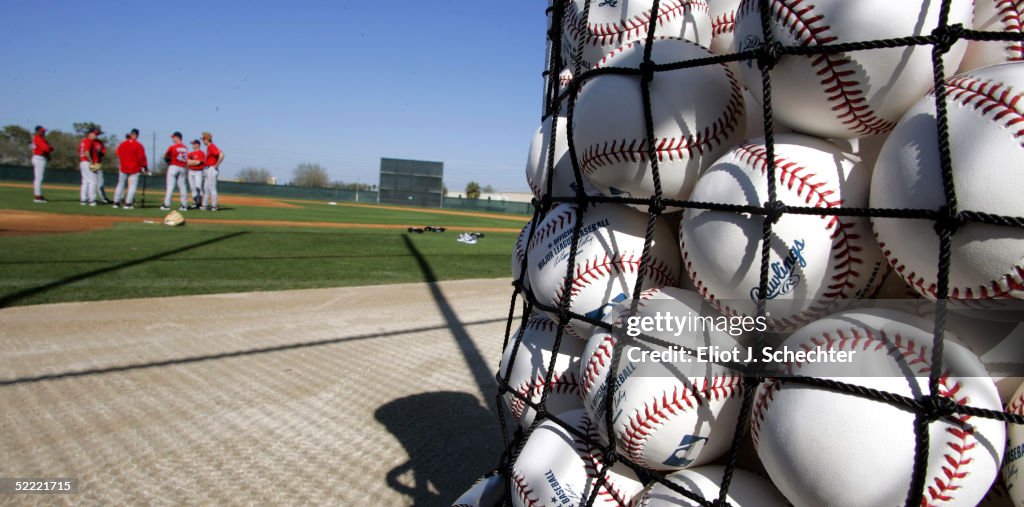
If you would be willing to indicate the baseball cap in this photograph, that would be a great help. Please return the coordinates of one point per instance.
(176, 134)
(97, 131)
(134, 131)
(195, 141)
(40, 128)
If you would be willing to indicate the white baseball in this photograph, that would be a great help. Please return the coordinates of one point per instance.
(846, 94)
(537, 169)
(606, 263)
(557, 468)
(529, 369)
(745, 490)
(519, 255)
(668, 414)
(822, 447)
(616, 23)
(995, 16)
(984, 110)
(1015, 452)
(816, 260)
(723, 28)
(698, 115)
(487, 492)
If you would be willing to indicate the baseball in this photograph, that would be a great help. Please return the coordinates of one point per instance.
(995, 16)
(669, 414)
(987, 157)
(691, 129)
(607, 259)
(1015, 451)
(723, 27)
(614, 24)
(556, 467)
(745, 490)
(822, 447)
(537, 168)
(487, 492)
(846, 94)
(529, 369)
(816, 260)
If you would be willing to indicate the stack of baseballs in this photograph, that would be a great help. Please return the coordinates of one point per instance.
(851, 130)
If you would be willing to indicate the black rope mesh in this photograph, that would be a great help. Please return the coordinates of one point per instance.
(947, 220)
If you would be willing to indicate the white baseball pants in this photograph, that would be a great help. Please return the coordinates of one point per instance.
(195, 180)
(133, 183)
(88, 193)
(101, 193)
(38, 168)
(176, 175)
(210, 187)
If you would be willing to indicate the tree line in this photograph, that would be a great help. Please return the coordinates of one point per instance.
(16, 146)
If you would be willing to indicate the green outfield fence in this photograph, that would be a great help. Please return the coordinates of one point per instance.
(72, 177)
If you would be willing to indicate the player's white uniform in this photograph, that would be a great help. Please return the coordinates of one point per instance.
(176, 174)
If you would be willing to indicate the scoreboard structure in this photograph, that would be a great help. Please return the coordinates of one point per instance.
(411, 182)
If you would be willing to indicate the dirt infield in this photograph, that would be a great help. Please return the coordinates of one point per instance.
(25, 223)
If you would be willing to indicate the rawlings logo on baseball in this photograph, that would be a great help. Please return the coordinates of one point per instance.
(784, 279)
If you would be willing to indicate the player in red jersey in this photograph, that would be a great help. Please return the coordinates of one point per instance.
(87, 194)
(41, 151)
(132, 157)
(196, 164)
(176, 157)
(213, 159)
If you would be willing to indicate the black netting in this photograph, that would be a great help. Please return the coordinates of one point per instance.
(947, 219)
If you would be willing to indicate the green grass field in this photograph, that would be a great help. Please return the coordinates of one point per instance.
(136, 260)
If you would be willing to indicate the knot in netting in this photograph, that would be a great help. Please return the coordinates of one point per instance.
(773, 211)
(935, 407)
(657, 206)
(647, 69)
(768, 55)
(946, 36)
(948, 219)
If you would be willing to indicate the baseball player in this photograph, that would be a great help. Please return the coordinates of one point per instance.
(196, 164)
(41, 151)
(176, 157)
(99, 152)
(85, 166)
(132, 157)
(213, 159)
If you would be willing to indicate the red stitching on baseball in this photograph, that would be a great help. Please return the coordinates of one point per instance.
(554, 223)
(603, 352)
(1010, 14)
(600, 155)
(592, 461)
(1001, 105)
(533, 389)
(942, 485)
(594, 269)
(835, 70)
(659, 411)
(1016, 406)
(523, 490)
(845, 252)
(606, 34)
(723, 23)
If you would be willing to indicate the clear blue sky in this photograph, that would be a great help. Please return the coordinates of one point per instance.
(336, 82)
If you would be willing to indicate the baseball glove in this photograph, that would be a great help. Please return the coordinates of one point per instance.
(95, 167)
